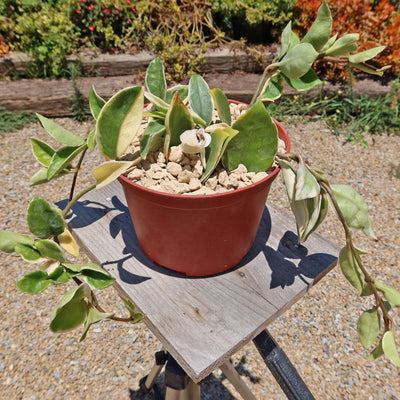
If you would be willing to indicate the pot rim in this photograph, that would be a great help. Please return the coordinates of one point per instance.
(271, 176)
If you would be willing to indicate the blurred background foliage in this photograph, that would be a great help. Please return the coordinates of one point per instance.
(181, 31)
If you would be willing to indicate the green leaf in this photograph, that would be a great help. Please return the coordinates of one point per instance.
(93, 317)
(128, 305)
(368, 327)
(152, 138)
(351, 269)
(96, 103)
(390, 294)
(222, 105)
(177, 121)
(159, 104)
(256, 143)
(49, 249)
(119, 121)
(313, 212)
(200, 99)
(307, 186)
(344, 45)
(96, 276)
(34, 282)
(73, 267)
(95, 268)
(43, 220)
(285, 40)
(306, 82)
(59, 133)
(353, 208)
(58, 275)
(370, 70)
(41, 176)
(309, 212)
(273, 88)
(8, 241)
(155, 78)
(61, 159)
(329, 43)
(97, 280)
(289, 176)
(137, 316)
(74, 294)
(158, 116)
(70, 316)
(367, 290)
(109, 171)
(365, 55)
(320, 209)
(321, 29)
(182, 89)
(377, 352)
(219, 141)
(298, 60)
(294, 40)
(91, 140)
(42, 151)
(27, 252)
(390, 349)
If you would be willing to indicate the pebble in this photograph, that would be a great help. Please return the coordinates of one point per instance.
(174, 168)
(176, 154)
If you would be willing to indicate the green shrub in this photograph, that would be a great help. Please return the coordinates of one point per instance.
(106, 24)
(348, 114)
(42, 30)
(177, 31)
(12, 121)
(256, 20)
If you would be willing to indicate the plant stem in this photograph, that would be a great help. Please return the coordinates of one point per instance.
(99, 308)
(78, 166)
(350, 245)
(268, 72)
(76, 198)
(349, 240)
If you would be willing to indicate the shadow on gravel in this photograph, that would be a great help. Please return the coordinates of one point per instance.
(212, 388)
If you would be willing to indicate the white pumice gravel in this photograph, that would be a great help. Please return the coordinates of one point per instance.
(318, 333)
(157, 173)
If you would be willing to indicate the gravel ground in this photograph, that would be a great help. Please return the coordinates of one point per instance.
(318, 333)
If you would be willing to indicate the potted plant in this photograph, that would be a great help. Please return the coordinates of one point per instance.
(191, 129)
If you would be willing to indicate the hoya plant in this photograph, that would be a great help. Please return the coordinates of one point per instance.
(199, 120)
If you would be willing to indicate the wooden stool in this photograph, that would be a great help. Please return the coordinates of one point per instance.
(201, 322)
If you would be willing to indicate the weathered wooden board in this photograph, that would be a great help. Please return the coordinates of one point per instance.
(202, 321)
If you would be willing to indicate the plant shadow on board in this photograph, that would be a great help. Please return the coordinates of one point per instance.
(284, 269)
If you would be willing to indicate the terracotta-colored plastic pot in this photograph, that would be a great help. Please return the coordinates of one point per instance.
(198, 235)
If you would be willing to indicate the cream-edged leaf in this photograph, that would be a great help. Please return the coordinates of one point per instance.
(68, 243)
(109, 171)
(119, 121)
(390, 348)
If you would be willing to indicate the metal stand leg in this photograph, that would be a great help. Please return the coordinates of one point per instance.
(281, 368)
(181, 387)
(233, 377)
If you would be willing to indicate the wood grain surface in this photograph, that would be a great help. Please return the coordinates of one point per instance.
(202, 321)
